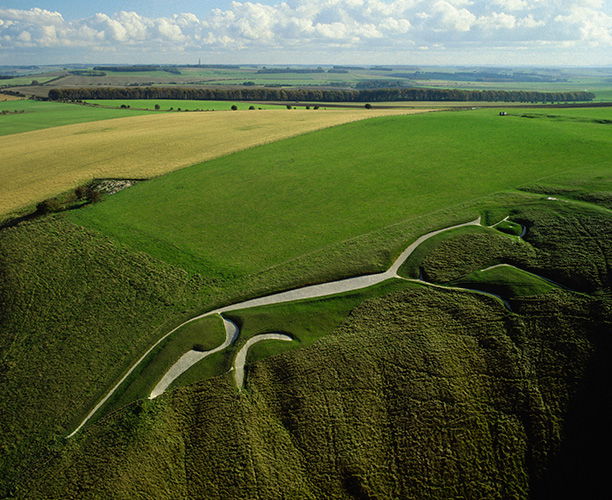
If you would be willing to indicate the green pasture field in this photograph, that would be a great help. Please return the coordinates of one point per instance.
(25, 80)
(598, 87)
(297, 81)
(604, 94)
(507, 281)
(306, 193)
(166, 104)
(151, 74)
(40, 114)
(603, 113)
(294, 79)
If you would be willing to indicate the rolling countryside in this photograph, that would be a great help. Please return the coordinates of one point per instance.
(141, 146)
(351, 280)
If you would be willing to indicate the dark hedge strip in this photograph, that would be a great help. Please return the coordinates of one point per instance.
(322, 95)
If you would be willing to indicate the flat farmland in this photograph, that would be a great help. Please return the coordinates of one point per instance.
(183, 104)
(127, 78)
(6, 97)
(306, 193)
(36, 115)
(44, 163)
(26, 80)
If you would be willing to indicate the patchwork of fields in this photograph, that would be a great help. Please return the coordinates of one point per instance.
(385, 386)
(309, 192)
(35, 115)
(44, 163)
(596, 80)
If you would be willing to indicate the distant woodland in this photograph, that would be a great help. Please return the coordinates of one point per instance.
(319, 95)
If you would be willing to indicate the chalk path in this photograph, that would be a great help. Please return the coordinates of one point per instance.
(240, 358)
(190, 358)
(307, 292)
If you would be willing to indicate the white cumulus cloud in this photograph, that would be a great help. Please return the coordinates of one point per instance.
(322, 25)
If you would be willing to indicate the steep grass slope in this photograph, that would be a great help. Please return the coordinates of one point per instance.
(565, 242)
(75, 309)
(506, 281)
(420, 394)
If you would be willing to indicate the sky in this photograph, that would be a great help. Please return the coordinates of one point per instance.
(437, 32)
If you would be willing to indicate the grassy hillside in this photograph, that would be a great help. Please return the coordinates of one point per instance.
(75, 311)
(306, 321)
(140, 146)
(404, 401)
(564, 242)
(457, 253)
(35, 115)
(419, 392)
(459, 379)
(300, 195)
(506, 281)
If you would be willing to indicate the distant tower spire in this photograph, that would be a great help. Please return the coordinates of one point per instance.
(199, 61)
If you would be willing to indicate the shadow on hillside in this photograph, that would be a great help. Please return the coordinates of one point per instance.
(580, 469)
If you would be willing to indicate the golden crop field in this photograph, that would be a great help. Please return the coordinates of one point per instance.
(6, 97)
(43, 163)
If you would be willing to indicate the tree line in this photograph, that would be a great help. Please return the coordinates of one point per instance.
(272, 71)
(314, 94)
(139, 68)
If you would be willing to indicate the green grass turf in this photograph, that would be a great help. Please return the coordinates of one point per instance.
(560, 244)
(509, 227)
(507, 281)
(306, 321)
(77, 310)
(411, 267)
(604, 94)
(270, 204)
(166, 104)
(207, 332)
(421, 394)
(561, 114)
(39, 114)
(152, 74)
